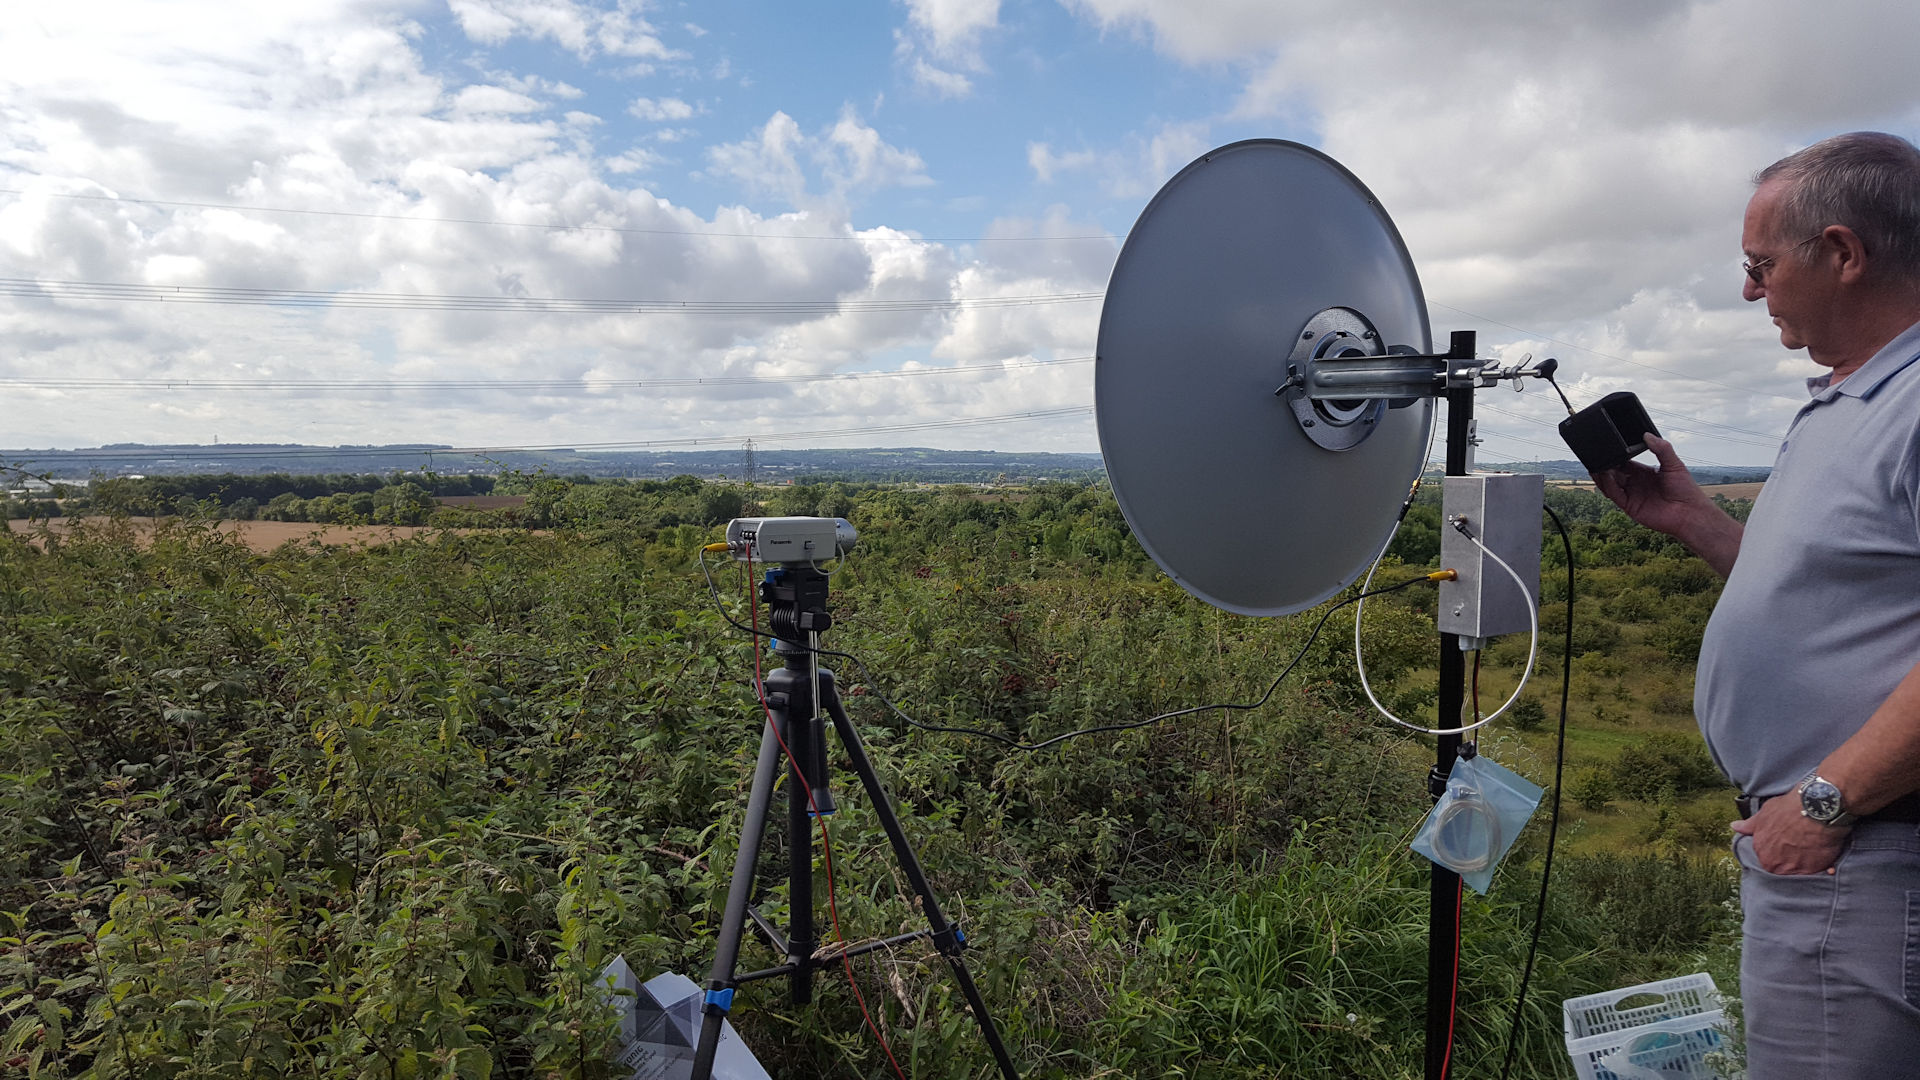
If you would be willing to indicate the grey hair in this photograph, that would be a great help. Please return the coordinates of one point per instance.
(1868, 181)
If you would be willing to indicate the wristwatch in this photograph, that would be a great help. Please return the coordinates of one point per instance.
(1820, 800)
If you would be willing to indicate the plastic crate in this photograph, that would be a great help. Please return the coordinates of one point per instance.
(1665, 1037)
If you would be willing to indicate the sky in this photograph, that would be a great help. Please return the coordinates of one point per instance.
(864, 223)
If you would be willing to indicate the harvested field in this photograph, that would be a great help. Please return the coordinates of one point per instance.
(261, 536)
(1731, 491)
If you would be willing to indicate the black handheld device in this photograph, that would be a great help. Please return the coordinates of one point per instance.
(1608, 433)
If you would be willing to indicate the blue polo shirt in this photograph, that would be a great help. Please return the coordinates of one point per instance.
(1820, 618)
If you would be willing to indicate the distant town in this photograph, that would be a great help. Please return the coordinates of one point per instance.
(28, 468)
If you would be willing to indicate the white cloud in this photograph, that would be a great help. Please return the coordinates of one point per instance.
(767, 162)
(849, 158)
(953, 26)
(581, 28)
(636, 159)
(950, 32)
(1047, 165)
(485, 100)
(330, 111)
(537, 84)
(855, 157)
(1072, 255)
(1136, 167)
(938, 82)
(660, 109)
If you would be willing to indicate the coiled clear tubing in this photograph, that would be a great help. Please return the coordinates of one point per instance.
(1465, 832)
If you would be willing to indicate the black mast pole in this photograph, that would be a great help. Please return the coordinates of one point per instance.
(1443, 925)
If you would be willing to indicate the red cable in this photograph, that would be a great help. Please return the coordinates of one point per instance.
(826, 841)
(1453, 1006)
(1459, 890)
(1476, 686)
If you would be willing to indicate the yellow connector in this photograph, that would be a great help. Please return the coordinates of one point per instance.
(1444, 575)
(716, 548)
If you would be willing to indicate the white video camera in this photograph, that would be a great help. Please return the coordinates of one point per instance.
(804, 540)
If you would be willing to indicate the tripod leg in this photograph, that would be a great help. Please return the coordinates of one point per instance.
(726, 955)
(793, 700)
(946, 937)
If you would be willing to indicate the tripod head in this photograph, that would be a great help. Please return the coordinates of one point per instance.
(796, 599)
(795, 591)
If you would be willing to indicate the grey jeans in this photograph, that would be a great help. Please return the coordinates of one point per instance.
(1830, 965)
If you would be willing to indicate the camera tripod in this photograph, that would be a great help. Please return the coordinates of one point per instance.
(795, 696)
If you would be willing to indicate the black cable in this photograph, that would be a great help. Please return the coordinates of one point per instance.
(1015, 744)
(1555, 383)
(1553, 820)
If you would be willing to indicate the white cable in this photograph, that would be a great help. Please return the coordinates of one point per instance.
(1360, 604)
(1533, 646)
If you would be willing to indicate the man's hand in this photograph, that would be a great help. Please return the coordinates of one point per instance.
(1788, 842)
(1664, 499)
(1667, 500)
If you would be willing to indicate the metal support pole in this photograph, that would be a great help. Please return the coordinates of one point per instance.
(1443, 925)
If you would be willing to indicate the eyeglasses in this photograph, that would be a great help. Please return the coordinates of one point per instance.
(1757, 268)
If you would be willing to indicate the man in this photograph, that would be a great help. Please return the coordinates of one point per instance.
(1808, 690)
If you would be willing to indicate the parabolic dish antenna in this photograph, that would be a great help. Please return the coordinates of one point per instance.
(1251, 262)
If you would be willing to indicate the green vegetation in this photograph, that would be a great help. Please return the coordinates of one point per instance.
(398, 499)
(384, 812)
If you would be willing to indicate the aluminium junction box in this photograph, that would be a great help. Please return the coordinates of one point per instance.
(1502, 511)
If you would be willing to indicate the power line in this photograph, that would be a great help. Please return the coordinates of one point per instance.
(82, 290)
(1490, 433)
(1610, 356)
(1772, 438)
(577, 227)
(545, 226)
(1764, 443)
(583, 385)
(200, 294)
(85, 290)
(1767, 437)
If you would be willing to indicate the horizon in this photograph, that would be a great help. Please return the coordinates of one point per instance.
(774, 458)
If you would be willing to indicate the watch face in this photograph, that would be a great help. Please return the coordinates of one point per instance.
(1820, 800)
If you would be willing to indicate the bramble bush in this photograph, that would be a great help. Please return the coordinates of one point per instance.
(385, 812)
